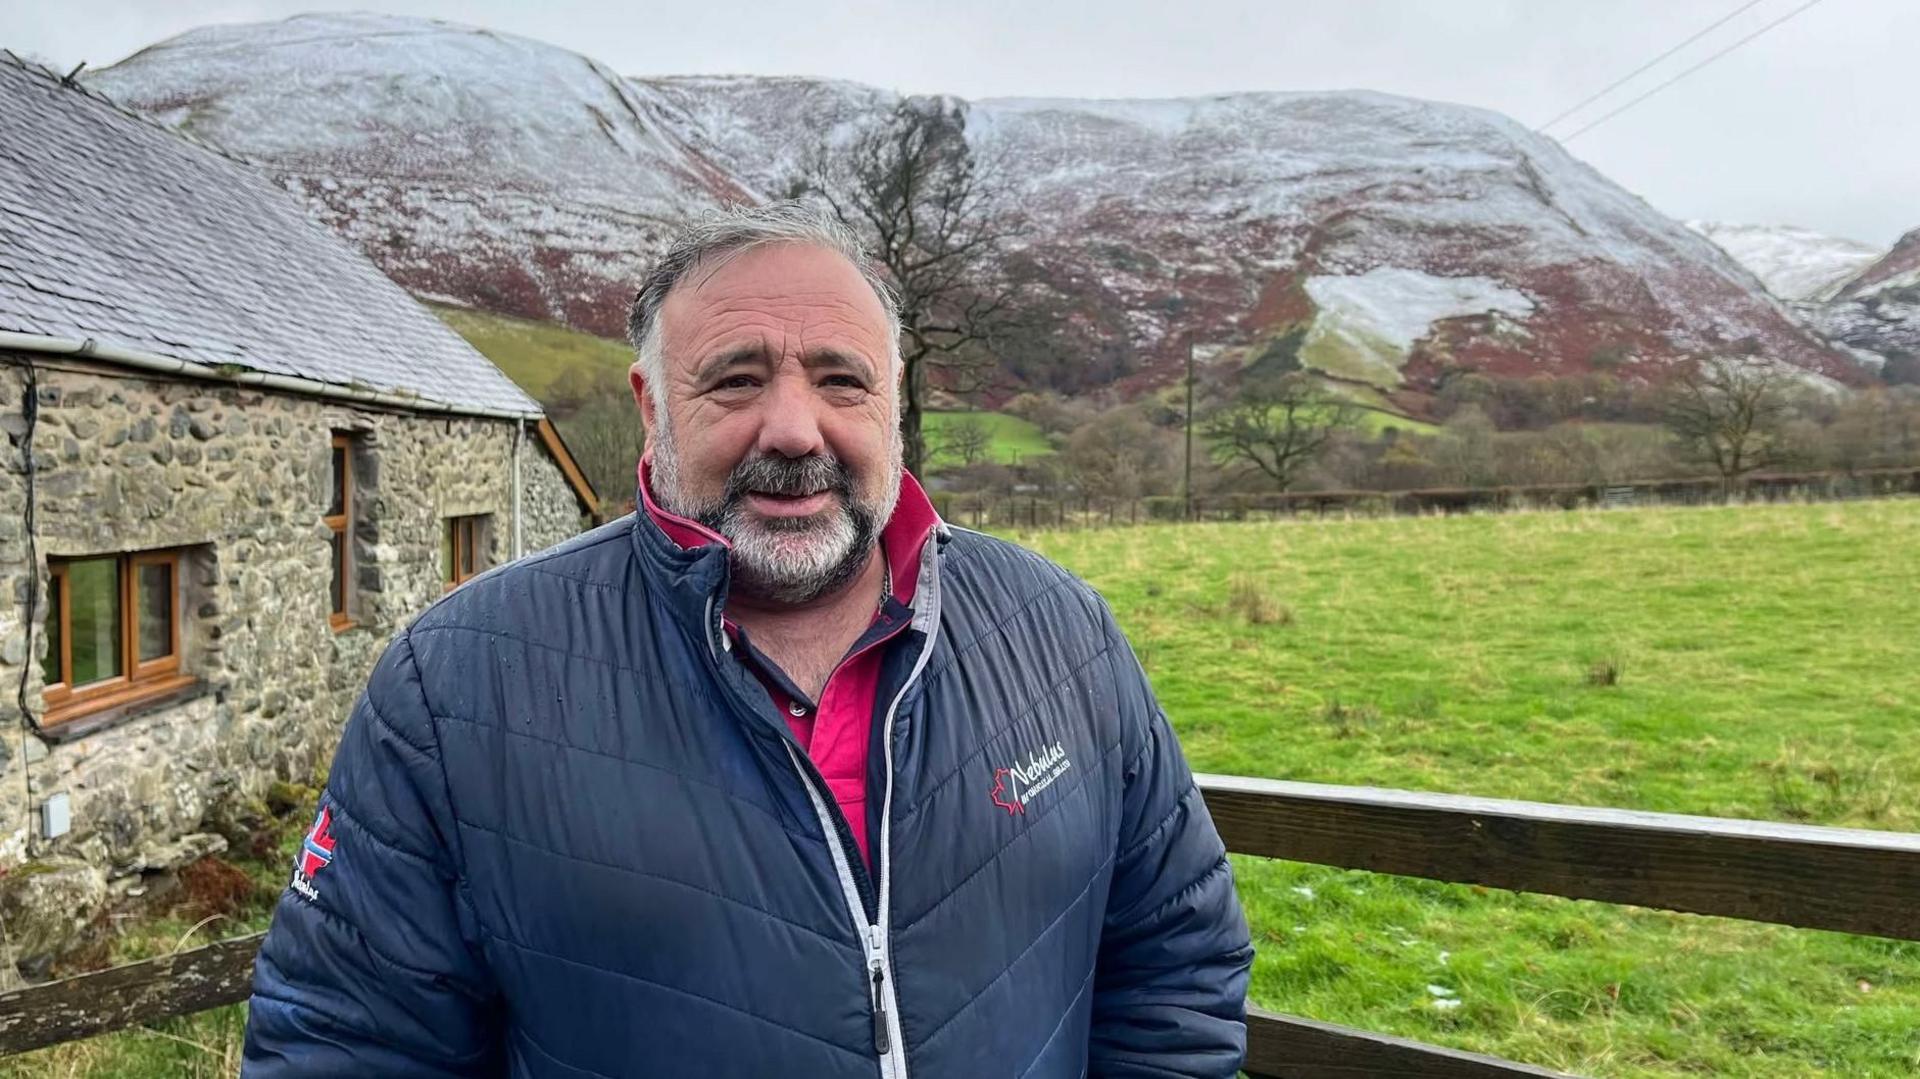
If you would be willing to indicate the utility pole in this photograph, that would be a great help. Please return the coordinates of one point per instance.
(1187, 485)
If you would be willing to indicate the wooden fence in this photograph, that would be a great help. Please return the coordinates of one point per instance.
(1824, 878)
(1037, 511)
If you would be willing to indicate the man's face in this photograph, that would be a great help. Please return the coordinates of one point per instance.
(781, 430)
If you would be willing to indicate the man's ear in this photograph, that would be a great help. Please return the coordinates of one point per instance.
(636, 378)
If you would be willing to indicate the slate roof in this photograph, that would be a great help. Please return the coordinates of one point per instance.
(114, 228)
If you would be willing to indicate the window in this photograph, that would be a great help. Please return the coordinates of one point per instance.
(340, 519)
(463, 548)
(113, 631)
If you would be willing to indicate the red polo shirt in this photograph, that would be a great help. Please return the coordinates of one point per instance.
(836, 730)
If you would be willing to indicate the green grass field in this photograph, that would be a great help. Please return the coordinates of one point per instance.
(1767, 666)
(535, 355)
(1014, 439)
(1375, 421)
(1763, 664)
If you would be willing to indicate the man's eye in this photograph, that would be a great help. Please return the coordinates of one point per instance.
(845, 381)
(735, 382)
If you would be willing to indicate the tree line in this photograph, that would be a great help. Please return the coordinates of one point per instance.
(1729, 419)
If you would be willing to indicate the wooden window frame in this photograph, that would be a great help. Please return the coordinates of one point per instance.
(138, 680)
(464, 537)
(340, 618)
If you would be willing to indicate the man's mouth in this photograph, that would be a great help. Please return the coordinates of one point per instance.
(778, 504)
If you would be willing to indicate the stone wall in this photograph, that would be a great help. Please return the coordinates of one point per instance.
(240, 479)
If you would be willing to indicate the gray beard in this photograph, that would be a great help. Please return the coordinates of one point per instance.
(787, 561)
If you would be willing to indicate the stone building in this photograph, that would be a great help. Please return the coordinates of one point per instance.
(237, 459)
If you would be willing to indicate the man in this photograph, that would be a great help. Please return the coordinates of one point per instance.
(778, 776)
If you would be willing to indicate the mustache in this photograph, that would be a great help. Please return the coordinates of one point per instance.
(794, 476)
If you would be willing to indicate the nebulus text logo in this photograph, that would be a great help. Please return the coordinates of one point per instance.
(1021, 782)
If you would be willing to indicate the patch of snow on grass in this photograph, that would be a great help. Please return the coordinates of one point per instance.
(1368, 322)
(1399, 306)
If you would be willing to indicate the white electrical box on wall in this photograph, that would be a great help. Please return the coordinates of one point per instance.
(55, 817)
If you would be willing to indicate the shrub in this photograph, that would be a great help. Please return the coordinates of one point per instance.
(1605, 672)
(1348, 720)
(1249, 599)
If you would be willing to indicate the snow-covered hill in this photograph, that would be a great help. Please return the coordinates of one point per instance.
(472, 165)
(1794, 263)
(1878, 311)
(1377, 238)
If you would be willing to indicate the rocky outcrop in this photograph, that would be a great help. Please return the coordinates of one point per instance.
(47, 907)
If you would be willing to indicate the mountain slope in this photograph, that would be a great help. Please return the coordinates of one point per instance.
(1878, 311)
(1398, 238)
(469, 164)
(1794, 263)
(1376, 238)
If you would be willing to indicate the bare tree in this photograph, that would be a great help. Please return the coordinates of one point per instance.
(1730, 414)
(1279, 425)
(938, 220)
(1120, 455)
(607, 437)
(1469, 449)
(964, 441)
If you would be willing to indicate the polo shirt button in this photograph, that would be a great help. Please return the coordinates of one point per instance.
(796, 709)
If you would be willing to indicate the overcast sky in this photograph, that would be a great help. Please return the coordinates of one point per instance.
(1812, 124)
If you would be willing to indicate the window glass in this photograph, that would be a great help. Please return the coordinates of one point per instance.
(466, 548)
(51, 665)
(339, 573)
(94, 584)
(339, 502)
(154, 588)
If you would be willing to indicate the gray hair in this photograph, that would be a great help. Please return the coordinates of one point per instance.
(731, 231)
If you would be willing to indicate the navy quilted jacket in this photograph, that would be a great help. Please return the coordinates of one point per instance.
(566, 835)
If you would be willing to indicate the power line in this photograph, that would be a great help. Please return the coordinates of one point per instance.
(1642, 69)
(1589, 127)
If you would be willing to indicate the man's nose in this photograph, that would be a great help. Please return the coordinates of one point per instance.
(789, 425)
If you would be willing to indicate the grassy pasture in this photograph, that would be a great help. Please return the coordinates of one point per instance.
(1751, 662)
(535, 355)
(1755, 661)
(1014, 439)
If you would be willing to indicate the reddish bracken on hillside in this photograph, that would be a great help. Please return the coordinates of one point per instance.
(1379, 239)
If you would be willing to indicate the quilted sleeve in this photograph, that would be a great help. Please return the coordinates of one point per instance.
(370, 967)
(1171, 987)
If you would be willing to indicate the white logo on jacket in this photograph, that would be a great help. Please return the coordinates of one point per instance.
(1019, 783)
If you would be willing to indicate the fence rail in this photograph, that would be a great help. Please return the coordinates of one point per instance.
(1754, 870)
(1036, 511)
(108, 1000)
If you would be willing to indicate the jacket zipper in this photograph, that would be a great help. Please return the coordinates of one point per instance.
(884, 1003)
(929, 590)
(871, 932)
(888, 1044)
(882, 1037)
